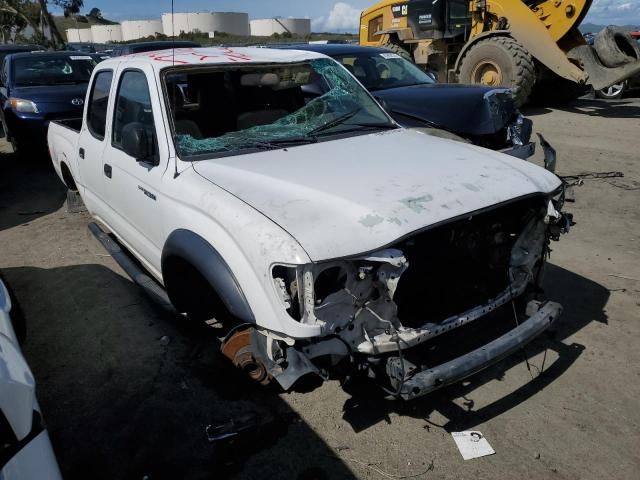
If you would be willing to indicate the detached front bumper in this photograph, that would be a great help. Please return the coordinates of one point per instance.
(426, 381)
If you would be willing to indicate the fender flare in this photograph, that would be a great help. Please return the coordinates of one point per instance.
(195, 250)
(471, 43)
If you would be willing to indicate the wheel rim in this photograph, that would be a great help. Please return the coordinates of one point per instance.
(613, 90)
(487, 72)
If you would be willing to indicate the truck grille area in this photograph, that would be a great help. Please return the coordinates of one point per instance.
(462, 264)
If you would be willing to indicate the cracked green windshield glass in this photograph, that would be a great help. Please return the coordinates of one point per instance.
(233, 108)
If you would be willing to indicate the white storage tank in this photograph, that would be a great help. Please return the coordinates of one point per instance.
(228, 22)
(81, 35)
(268, 26)
(134, 29)
(106, 33)
(234, 23)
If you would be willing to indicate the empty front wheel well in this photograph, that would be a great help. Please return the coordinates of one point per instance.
(190, 292)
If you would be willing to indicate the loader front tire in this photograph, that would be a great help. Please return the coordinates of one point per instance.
(500, 62)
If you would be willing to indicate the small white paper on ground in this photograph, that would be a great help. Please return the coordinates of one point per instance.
(472, 444)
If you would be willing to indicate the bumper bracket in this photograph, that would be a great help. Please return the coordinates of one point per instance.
(426, 381)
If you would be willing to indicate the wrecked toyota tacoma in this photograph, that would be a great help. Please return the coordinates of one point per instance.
(268, 189)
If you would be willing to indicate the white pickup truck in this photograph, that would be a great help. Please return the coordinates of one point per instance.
(268, 189)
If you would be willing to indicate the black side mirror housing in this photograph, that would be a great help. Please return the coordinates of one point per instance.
(138, 142)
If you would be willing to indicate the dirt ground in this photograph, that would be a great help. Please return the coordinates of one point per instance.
(120, 403)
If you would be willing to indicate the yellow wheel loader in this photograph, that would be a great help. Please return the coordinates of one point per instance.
(521, 44)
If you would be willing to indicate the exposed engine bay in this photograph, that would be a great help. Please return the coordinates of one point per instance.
(377, 310)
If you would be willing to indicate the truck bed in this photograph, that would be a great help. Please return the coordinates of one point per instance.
(62, 138)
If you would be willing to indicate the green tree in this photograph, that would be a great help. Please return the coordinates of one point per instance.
(95, 13)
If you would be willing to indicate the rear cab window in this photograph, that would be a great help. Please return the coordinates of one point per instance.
(98, 100)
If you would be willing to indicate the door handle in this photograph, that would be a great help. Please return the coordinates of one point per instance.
(107, 170)
(81, 152)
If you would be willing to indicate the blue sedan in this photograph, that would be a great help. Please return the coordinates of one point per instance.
(38, 87)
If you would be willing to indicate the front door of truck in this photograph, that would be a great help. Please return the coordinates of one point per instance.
(135, 184)
(92, 144)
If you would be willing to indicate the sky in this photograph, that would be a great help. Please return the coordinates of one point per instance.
(326, 15)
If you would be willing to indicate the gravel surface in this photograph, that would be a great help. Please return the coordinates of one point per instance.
(127, 390)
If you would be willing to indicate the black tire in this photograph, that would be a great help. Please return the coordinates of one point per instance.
(503, 60)
(399, 49)
(613, 92)
(615, 47)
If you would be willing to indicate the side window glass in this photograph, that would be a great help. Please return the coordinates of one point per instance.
(375, 25)
(133, 105)
(97, 112)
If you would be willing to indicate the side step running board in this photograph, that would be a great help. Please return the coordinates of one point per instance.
(148, 284)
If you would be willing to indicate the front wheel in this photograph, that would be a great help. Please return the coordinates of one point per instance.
(614, 91)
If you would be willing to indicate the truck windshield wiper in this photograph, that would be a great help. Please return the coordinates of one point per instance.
(282, 142)
(354, 127)
(336, 121)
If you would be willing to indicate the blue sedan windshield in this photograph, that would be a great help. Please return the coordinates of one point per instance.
(40, 70)
(379, 70)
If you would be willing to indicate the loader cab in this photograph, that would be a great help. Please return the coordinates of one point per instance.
(439, 19)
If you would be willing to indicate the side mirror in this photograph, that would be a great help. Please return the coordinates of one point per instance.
(137, 142)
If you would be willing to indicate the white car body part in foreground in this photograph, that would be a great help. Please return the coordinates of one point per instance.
(269, 186)
(25, 449)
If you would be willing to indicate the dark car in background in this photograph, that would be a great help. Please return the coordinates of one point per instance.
(89, 47)
(13, 48)
(140, 47)
(38, 87)
(486, 116)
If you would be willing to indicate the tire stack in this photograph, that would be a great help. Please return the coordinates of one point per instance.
(615, 48)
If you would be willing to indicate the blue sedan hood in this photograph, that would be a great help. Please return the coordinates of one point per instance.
(54, 98)
(51, 93)
(60, 95)
(463, 109)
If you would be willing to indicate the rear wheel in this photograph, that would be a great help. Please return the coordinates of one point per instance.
(500, 62)
(614, 91)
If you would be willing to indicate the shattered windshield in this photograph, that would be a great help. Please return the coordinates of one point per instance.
(234, 108)
(380, 70)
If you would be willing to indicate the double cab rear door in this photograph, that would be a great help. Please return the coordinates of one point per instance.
(122, 192)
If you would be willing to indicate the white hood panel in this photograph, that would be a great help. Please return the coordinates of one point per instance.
(345, 197)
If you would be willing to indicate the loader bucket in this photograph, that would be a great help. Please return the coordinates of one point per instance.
(600, 76)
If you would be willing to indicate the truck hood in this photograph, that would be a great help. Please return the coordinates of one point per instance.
(479, 110)
(350, 196)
